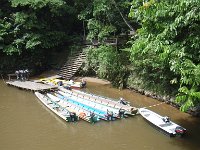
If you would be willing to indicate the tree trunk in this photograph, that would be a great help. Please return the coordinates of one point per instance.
(126, 22)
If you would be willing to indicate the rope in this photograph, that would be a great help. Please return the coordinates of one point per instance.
(154, 105)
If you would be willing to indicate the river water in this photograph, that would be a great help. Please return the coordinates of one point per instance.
(26, 124)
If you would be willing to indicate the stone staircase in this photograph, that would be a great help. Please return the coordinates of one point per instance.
(72, 65)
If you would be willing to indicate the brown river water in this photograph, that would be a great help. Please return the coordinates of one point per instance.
(26, 124)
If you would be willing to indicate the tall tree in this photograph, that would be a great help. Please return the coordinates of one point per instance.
(166, 49)
(32, 24)
(105, 18)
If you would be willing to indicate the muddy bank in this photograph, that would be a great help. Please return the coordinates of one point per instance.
(195, 111)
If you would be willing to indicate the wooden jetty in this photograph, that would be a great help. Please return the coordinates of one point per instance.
(30, 85)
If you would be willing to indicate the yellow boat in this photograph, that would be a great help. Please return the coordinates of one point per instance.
(62, 82)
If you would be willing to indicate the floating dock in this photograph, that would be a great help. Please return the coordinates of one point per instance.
(30, 85)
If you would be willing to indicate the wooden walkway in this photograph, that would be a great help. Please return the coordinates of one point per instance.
(30, 85)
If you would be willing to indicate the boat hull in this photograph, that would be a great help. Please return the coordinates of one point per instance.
(58, 111)
(161, 123)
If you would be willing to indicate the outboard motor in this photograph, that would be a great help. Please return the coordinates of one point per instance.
(93, 118)
(26, 74)
(166, 119)
(180, 131)
(121, 113)
(17, 74)
(73, 117)
(21, 75)
(124, 102)
(60, 83)
(83, 83)
(110, 116)
(67, 87)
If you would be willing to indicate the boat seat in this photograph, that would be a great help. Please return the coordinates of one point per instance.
(49, 102)
(166, 124)
(146, 115)
(56, 106)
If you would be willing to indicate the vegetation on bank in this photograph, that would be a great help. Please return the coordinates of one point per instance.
(163, 56)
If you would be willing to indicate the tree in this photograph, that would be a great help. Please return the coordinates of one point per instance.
(35, 24)
(166, 48)
(105, 18)
(35, 27)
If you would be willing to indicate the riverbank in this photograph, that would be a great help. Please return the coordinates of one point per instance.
(195, 111)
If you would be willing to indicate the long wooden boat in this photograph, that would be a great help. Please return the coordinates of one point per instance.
(62, 112)
(162, 123)
(130, 110)
(105, 112)
(81, 113)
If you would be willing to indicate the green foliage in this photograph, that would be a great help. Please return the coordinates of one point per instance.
(98, 30)
(35, 27)
(107, 64)
(103, 18)
(166, 48)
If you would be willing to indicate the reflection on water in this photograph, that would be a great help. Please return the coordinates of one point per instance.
(28, 124)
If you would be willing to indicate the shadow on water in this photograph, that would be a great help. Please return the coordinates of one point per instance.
(27, 124)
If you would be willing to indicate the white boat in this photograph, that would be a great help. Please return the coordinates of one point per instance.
(81, 113)
(97, 108)
(162, 123)
(101, 100)
(56, 108)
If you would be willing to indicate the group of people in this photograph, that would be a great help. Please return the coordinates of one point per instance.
(22, 75)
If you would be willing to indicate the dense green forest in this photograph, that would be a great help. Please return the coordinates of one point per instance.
(162, 56)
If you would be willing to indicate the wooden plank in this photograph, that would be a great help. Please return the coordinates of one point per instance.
(29, 85)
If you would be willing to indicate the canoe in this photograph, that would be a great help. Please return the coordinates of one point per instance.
(129, 110)
(81, 113)
(164, 124)
(105, 112)
(62, 112)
